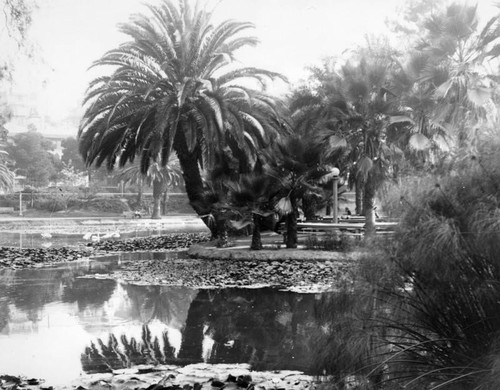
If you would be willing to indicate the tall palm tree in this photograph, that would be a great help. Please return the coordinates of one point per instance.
(456, 66)
(368, 111)
(175, 87)
(160, 178)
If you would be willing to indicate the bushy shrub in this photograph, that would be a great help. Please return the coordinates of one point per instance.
(9, 201)
(51, 204)
(426, 309)
(104, 204)
(444, 328)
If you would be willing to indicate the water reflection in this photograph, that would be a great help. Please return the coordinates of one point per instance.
(266, 328)
(57, 325)
(126, 352)
(57, 240)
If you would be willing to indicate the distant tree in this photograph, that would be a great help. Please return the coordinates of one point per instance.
(157, 176)
(30, 155)
(16, 15)
(6, 175)
(71, 156)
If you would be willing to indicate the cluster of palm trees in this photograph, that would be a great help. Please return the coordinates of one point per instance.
(175, 89)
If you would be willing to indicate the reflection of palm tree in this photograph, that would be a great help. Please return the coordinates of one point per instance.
(269, 328)
(125, 352)
(192, 336)
(88, 292)
(266, 328)
(170, 305)
(4, 313)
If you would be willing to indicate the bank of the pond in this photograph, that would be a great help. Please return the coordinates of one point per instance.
(12, 257)
(191, 377)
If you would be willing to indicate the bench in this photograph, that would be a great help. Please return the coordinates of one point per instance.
(6, 210)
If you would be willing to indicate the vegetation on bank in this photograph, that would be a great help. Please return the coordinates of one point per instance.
(423, 312)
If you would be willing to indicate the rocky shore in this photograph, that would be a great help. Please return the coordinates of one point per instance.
(300, 274)
(16, 258)
(191, 377)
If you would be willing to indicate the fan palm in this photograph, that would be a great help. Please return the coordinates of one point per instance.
(319, 116)
(251, 196)
(368, 112)
(455, 65)
(175, 88)
(160, 178)
(296, 165)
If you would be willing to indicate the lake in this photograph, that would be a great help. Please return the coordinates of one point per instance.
(59, 322)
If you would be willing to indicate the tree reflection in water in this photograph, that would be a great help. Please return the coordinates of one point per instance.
(267, 328)
(126, 352)
(29, 290)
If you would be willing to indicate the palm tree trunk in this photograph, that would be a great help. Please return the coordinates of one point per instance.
(164, 202)
(89, 176)
(369, 204)
(256, 237)
(192, 180)
(309, 206)
(359, 196)
(220, 233)
(291, 225)
(140, 191)
(157, 191)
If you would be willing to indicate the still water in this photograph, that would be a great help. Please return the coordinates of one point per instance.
(56, 324)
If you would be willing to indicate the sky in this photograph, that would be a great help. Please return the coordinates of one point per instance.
(70, 34)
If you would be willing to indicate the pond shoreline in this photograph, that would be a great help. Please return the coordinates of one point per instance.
(198, 376)
(206, 266)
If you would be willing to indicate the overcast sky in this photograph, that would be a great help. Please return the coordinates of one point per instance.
(71, 34)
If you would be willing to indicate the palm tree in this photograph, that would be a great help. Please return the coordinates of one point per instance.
(6, 175)
(366, 111)
(160, 178)
(318, 116)
(175, 87)
(455, 65)
(296, 165)
(252, 197)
